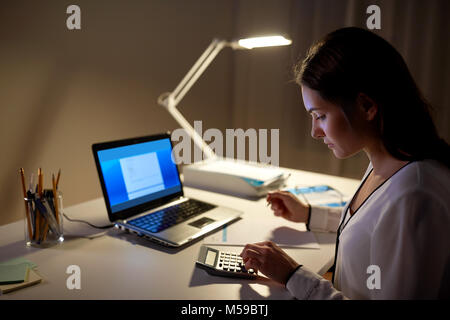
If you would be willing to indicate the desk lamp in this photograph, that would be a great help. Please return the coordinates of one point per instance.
(170, 100)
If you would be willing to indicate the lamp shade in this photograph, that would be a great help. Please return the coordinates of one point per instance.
(269, 41)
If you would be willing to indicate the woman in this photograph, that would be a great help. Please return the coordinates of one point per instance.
(361, 97)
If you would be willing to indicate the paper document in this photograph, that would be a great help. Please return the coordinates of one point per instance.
(320, 195)
(250, 230)
(142, 175)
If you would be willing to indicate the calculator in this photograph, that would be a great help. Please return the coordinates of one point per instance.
(221, 263)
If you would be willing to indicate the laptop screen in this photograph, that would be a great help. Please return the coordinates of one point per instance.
(138, 173)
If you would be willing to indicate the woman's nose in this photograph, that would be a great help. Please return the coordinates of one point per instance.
(316, 131)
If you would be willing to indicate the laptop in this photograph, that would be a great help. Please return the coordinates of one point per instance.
(144, 195)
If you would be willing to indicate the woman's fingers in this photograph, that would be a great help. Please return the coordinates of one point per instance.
(280, 195)
(251, 256)
(269, 259)
(280, 200)
(277, 207)
(252, 264)
(254, 255)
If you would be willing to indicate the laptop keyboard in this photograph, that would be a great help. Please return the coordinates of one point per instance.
(165, 218)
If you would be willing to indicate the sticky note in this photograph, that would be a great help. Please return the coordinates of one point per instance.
(13, 273)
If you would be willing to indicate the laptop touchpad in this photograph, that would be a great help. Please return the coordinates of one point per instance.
(200, 223)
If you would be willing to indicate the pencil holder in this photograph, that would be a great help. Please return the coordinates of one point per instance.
(43, 225)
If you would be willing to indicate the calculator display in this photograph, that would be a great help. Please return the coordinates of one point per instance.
(210, 257)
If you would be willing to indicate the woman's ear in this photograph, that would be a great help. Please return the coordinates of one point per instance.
(367, 106)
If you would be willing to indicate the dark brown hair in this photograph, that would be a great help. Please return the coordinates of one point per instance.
(350, 61)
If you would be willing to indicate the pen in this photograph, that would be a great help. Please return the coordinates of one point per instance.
(46, 226)
(27, 213)
(38, 215)
(46, 211)
(30, 188)
(55, 197)
(44, 219)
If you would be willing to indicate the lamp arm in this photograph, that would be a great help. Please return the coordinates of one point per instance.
(170, 100)
(197, 69)
(198, 140)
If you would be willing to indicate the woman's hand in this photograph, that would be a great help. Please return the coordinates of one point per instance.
(288, 206)
(269, 259)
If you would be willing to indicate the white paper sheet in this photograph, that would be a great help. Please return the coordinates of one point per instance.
(251, 230)
(323, 196)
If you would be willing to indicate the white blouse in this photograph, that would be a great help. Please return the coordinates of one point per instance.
(395, 246)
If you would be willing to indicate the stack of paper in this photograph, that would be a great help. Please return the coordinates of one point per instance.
(235, 177)
(242, 169)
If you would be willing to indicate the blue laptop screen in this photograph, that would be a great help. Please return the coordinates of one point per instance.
(138, 173)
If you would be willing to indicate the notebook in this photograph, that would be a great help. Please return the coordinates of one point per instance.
(144, 195)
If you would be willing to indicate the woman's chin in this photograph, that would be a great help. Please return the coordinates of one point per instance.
(341, 155)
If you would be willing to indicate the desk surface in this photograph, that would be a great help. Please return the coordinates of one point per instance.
(117, 265)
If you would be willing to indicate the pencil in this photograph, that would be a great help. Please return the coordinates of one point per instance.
(57, 179)
(27, 213)
(40, 182)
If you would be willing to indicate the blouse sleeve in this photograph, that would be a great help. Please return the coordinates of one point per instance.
(307, 285)
(410, 247)
(324, 219)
